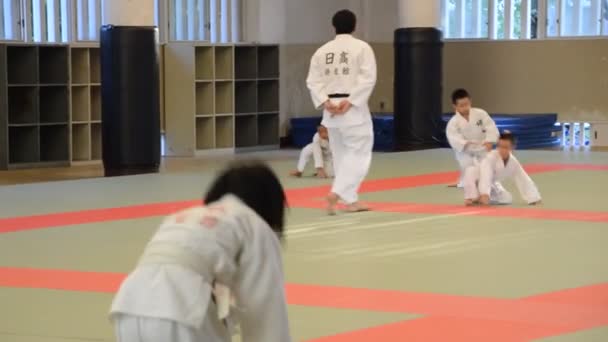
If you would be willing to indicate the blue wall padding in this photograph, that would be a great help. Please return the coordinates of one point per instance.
(532, 130)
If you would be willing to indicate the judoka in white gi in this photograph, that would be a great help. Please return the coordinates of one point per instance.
(471, 132)
(481, 181)
(318, 150)
(209, 269)
(341, 79)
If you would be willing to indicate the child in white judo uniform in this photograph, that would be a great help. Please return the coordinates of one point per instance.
(471, 132)
(318, 150)
(210, 268)
(481, 180)
(341, 79)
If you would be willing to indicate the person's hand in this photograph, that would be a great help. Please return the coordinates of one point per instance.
(321, 173)
(488, 146)
(330, 107)
(344, 106)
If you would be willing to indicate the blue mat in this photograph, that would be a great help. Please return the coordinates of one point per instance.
(532, 130)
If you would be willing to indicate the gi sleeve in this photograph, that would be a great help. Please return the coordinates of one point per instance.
(260, 289)
(315, 82)
(492, 133)
(525, 185)
(455, 138)
(317, 151)
(366, 80)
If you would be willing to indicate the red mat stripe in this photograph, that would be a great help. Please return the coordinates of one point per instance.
(460, 317)
(15, 224)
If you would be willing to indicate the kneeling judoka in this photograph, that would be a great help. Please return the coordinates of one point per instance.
(481, 181)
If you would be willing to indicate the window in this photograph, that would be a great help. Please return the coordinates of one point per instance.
(49, 20)
(524, 19)
(10, 20)
(465, 18)
(205, 20)
(605, 17)
(88, 19)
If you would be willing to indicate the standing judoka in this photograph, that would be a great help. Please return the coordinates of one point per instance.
(318, 150)
(210, 268)
(471, 132)
(481, 181)
(341, 79)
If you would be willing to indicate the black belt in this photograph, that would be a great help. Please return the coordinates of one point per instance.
(338, 96)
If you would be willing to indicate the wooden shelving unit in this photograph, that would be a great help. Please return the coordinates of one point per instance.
(34, 106)
(221, 97)
(50, 105)
(85, 120)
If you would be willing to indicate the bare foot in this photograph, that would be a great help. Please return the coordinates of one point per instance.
(469, 202)
(484, 200)
(332, 202)
(357, 208)
(296, 174)
(321, 173)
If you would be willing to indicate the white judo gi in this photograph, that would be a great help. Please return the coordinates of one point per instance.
(467, 137)
(169, 297)
(345, 69)
(320, 153)
(483, 178)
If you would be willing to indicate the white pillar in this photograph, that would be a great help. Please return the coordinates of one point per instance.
(417, 13)
(476, 20)
(128, 12)
(213, 22)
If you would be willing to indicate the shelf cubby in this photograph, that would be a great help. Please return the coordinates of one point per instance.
(203, 62)
(23, 145)
(22, 105)
(96, 142)
(204, 134)
(223, 63)
(204, 98)
(224, 132)
(54, 143)
(268, 62)
(268, 129)
(80, 66)
(81, 142)
(245, 131)
(80, 104)
(94, 66)
(224, 97)
(245, 97)
(54, 104)
(245, 66)
(95, 103)
(53, 64)
(22, 64)
(268, 96)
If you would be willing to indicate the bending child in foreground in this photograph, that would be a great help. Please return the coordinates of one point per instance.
(208, 269)
(481, 181)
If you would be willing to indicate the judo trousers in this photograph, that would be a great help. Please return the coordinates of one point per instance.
(146, 329)
(498, 194)
(351, 148)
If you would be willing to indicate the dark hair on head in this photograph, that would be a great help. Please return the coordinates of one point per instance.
(459, 94)
(344, 22)
(506, 135)
(257, 186)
